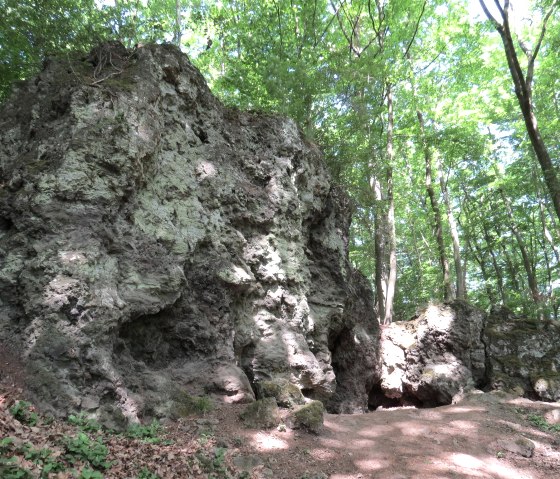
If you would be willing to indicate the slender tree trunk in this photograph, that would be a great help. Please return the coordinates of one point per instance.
(478, 255)
(413, 226)
(392, 236)
(523, 84)
(495, 265)
(444, 263)
(380, 262)
(459, 269)
(177, 27)
(510, 264)
(546, 233)
(531, 279)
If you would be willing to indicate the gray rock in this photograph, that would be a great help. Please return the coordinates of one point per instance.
(432, 359)
(247, 463)
(309, 416)
(155, 243)
(523, 355)
(552, 416)
(261, 414)
(518, 445)
(286, 394)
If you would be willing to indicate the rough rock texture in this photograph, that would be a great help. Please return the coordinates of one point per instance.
(430, 360)
(523, 355)
(154, 242)
(261, 414)
(309, 416)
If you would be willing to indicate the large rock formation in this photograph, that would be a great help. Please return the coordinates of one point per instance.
(154, 243)
(523, 355)
(433, 358)
(449, 349)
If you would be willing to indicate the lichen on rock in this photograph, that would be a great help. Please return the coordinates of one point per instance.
(152, 239)
(433, 358)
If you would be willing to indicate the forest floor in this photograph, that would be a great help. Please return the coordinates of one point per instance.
(484, 436)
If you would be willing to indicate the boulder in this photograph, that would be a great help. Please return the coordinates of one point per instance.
(261, 414)
(517, 445)
(155, 243)
(433, 358)
(286, 394)
(523, 355)
(309, 417)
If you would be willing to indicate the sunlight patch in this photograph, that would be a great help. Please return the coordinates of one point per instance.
(371, 465)
(269, 443)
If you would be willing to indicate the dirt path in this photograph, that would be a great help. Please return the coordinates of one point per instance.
(482, 437)
(459, 441)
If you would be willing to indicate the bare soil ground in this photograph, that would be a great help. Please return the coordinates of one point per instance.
(471, 439)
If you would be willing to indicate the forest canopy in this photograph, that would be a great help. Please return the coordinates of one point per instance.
(440, 118)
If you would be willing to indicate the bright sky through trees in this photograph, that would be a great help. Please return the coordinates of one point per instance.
(358, 81)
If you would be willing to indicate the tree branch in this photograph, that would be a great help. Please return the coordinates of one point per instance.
(531, 58)
(497, 24)
(415, 29)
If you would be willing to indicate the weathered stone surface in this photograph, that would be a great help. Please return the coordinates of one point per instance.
(433, 358)
(261, 414)
(523, 355)
(518, 445)
(286, 394)
(309, 416)
(154, 243)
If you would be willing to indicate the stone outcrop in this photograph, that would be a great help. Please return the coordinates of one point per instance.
(449, 349)
(523, 355)
(433, 358)
(154, 243)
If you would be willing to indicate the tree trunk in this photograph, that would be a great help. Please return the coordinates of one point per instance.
(380, 262)
(444, 263)
(459, 269)
(531, 279)
(523, 84)
(177, 30)
(479, 258)
(392, 236)
(495, 265)
(413, 225)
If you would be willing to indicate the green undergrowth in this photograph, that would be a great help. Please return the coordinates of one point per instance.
(81, 448)
(185, 405)
(538, 421)
(541, 423)
(81, 452)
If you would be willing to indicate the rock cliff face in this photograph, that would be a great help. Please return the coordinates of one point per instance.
(154, 243)
(523, 355)
(432, 359)
(452, 348)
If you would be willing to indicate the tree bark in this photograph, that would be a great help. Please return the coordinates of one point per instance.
(523, 84)
(177, 28)
(495, 265)
(531, 279)
(438, 226)
(380, 262)
(392, 236)
(461, 292)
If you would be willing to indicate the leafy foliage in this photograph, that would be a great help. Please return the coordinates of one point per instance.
(23, 412)
(327, 65)
(81, 447)
(148, 433)
(84, 423)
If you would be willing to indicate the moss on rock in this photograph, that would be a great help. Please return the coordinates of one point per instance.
(262, 414)
(286, 394)
(310, 417)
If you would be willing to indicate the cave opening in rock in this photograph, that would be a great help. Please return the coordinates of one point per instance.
(378, 400)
